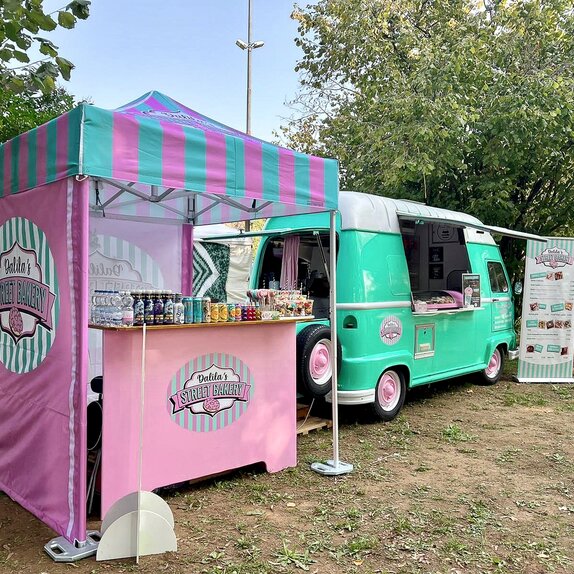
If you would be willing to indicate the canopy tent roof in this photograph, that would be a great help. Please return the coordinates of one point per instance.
(157, 159)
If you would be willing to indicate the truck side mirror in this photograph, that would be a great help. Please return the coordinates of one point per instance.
(518, 287)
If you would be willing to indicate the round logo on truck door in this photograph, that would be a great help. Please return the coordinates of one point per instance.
(391, 330)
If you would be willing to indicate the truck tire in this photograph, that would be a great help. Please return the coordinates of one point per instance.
(314, 360)
(390, 394)
(491, 374)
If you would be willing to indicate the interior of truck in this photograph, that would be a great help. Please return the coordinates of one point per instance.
(312, 268)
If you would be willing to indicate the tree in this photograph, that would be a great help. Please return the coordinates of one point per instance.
(22, 112)
(21, 21)
(462, 104)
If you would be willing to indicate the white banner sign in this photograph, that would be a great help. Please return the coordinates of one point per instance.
(546, 334)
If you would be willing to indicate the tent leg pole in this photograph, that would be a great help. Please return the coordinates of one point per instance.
(335, 466)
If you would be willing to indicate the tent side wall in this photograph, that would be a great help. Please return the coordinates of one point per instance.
(43, 352)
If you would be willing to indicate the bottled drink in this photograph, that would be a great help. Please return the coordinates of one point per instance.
(138, 308)
(127, 309)
(95, 309)
(157, 308)
(115, 309)
(206, 309)
(105, 319)
(148, 308)
(178, 310)
(188, 310)
(168, 309)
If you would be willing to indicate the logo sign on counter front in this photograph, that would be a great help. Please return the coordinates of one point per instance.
(210, 392)
(28, 296)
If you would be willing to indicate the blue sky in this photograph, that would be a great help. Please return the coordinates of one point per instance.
(186, 49)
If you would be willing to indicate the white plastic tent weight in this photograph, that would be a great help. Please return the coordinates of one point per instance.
(137, 525)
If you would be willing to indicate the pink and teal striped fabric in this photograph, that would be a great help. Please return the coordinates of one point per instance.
(157, 141)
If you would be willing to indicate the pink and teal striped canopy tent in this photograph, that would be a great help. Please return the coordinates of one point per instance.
(155, 158)
(154, 161)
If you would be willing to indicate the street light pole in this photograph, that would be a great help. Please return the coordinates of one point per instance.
(249, 46)
(249, 49)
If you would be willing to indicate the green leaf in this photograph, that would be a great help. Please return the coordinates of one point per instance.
(66, 19)
(48, 49)
(65, 67)
(80, 8)
(21, 56)
(43, 21)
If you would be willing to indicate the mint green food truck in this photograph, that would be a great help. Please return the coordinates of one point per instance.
(422, 295)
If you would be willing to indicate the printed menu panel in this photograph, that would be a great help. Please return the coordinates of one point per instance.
(546, 336)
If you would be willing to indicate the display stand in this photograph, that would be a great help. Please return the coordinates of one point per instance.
(140, 523)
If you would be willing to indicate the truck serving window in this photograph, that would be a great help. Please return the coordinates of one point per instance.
(498, 282)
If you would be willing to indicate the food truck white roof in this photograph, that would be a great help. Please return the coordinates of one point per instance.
(376, 213)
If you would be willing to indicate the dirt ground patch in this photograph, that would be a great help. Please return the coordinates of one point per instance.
(468, 479)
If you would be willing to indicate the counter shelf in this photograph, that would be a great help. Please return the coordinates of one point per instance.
(150, 327)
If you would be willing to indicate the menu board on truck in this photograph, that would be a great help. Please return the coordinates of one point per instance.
(546, 334)
(471, 289)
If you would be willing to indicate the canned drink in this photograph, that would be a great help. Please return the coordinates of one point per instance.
(187, 310)
(238, 312)
(206, 308)
(222, 312)
(215, 313)
(230, 312)
(197, 310)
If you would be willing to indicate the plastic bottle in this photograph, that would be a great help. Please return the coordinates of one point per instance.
(105, 319)
(115, 307)
(95, 309)
(127, 309)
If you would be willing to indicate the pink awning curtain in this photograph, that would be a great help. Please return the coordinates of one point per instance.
(289, 266)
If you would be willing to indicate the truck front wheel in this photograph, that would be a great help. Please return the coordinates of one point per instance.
(389, 395)
(315, 360)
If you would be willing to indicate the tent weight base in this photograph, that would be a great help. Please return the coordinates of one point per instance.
(62, 550)
(329, 468)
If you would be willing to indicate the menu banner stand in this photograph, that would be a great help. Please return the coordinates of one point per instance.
(546, 332)
(335, 466)
(141, 523)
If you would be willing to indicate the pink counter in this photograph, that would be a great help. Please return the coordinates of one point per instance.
(216, 397)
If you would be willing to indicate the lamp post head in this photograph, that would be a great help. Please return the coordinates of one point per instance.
(241, 44)
(258, 44)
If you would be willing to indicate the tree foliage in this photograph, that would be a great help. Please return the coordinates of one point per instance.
(20, 25)
(22, 112)
(463, 104)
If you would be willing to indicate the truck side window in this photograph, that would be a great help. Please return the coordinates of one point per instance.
(498, 282)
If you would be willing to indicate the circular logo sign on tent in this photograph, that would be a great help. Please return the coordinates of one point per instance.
(210, 392)
(29, 305)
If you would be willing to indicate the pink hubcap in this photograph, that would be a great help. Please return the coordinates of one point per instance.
(494, 364)
(320, 362)
(389, 391)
